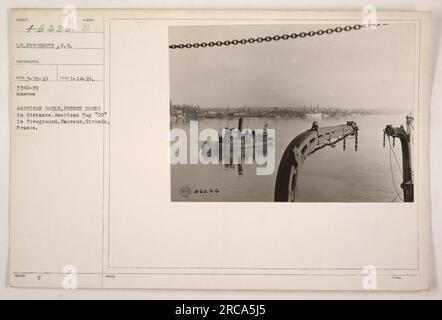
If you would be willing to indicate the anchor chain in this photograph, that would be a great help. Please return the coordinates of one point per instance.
(332, 144)
(356, 141)
(277, 37)
(344, 146)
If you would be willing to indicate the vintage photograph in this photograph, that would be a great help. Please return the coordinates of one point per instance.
(207, 151)
(293, 112)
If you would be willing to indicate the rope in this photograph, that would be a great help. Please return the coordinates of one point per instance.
(397, 196)
(394, 154)
(392, 175)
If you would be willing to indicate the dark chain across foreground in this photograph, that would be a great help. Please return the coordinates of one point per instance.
(271, 38)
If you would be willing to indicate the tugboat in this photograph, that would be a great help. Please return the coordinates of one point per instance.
(235, 138)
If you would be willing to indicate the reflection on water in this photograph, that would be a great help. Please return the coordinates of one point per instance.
(247, 156)
(232, 156)
(329, 175)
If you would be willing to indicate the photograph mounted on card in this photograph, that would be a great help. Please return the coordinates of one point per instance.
(272, 150)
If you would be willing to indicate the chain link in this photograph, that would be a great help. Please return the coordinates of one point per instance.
(286, 36)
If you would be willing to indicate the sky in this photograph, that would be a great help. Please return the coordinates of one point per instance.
(372, 69)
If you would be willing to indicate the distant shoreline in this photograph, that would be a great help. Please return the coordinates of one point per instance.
(195, 112)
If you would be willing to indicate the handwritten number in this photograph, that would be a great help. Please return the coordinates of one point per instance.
(30, 28)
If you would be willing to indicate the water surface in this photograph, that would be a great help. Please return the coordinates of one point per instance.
(329, 175)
